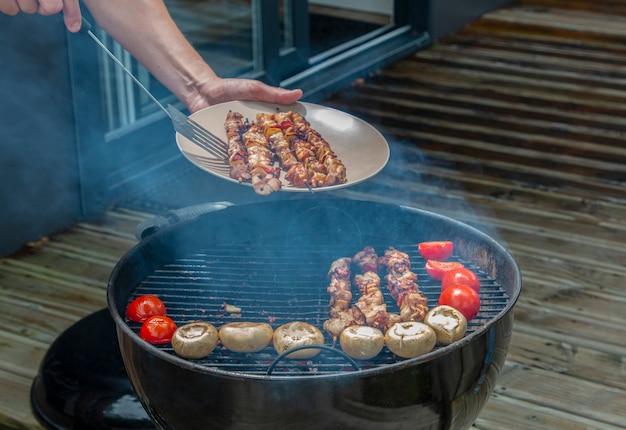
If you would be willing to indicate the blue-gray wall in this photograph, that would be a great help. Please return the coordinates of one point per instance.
(38, 163)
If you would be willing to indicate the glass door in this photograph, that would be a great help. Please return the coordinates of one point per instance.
(315, 45)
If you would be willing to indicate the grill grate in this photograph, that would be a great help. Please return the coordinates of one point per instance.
(279, 284)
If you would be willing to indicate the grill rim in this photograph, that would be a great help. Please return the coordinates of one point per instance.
(160, 237)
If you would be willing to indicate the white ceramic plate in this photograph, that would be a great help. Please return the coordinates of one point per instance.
(361, 148)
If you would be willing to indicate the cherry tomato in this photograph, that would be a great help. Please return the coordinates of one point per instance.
(158, 329)
(460, 276)
(435, 250)
(143, 307)
(437, 269)
(462, 298)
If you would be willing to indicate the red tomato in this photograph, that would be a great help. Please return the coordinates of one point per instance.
(143, 307)
(435, 250)
(460, 276)
(158, 329)
(462, 298)
(437, 269)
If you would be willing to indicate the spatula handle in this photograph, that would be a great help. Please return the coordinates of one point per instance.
(85, 28)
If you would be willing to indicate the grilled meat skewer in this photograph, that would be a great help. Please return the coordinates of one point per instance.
(402, 284)
(237, 153)
(339, 288)
(371, 301)
(306, 158)
(335, 171)
(264, 176)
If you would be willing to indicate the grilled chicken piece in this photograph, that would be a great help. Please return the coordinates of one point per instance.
(276, 139)
(342, 320)
(366, 260)
(371, 302)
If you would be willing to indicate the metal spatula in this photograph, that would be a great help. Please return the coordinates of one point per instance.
(181, 122)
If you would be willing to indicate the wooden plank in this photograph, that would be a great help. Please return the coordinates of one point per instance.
(503, 412)
(578, 329)
(15, 413)
(560, 354)
(44, 290)
(21, 355)
(596, 135)
(571, 23)
(42, 311)
(606, 405)
(515, 223)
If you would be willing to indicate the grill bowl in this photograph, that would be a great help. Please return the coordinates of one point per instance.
(445, 389)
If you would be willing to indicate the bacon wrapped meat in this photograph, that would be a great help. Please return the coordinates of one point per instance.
(402, 285)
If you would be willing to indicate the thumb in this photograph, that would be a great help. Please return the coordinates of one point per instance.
(259, 91)
(72, 15)
(287, 97)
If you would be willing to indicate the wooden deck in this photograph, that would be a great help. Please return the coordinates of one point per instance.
(516, 125)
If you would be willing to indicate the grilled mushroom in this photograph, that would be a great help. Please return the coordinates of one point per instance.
(295, 334)
(410, 339)
(449, 324)
(195, 340)
(246, 336)
(362, 342)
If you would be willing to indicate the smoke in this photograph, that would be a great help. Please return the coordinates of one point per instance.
(421, 172)
(38, 173)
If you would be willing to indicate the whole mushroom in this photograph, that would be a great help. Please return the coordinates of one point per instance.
(195, 339)
(296, 334)
(362, 342)
(449, 324)
(410, 339)
(246, 336)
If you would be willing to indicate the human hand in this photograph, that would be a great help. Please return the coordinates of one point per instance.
(70, 9)
(219, 90)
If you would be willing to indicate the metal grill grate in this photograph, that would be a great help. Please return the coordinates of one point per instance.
(279, 284)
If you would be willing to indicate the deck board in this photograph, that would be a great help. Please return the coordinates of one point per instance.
(44, 289)
(515, 125)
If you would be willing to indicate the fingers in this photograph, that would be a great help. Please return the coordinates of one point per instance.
(13, 7)
(71, 15)
(70, 9)
(47, 7)
(287, 97)
(221, 90)
(244, 89)
(9, 7)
